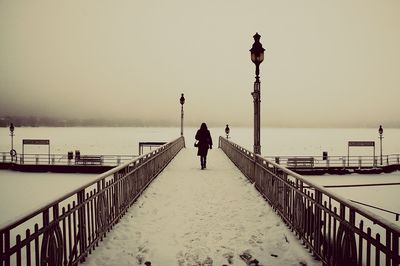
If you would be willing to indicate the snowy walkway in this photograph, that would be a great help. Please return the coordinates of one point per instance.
(189, 216)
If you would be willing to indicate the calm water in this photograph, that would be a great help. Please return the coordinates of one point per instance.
(274, 141)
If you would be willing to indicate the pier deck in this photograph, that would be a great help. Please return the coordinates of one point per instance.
(189, 216)
(60, 163)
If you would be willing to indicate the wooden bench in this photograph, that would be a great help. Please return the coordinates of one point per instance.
(149, 144)
(300, 162)
(89, 159)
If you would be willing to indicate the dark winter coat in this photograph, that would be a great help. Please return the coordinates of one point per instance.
(205, 141)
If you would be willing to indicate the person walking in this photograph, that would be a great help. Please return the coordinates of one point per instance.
(204, 143)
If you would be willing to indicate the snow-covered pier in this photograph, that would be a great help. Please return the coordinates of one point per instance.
(189, 216)
(192, 217)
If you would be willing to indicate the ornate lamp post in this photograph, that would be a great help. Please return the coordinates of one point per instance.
(227, 130)
(380, 137)
(257, 56)
(182, 101)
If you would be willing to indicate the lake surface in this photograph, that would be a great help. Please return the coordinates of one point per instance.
(274, 141)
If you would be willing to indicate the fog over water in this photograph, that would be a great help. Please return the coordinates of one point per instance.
(326, 63)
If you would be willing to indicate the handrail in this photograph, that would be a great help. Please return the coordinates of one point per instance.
(336, 230)
(344, 161)
(397, 215)
(61, 159)
(66, 230)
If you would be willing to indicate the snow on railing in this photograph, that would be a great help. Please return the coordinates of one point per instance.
(336, 230)
(65, 231)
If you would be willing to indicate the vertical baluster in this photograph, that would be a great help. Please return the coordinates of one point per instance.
(388, 245)
(369, 247)
(74, 228)
(291, 199)
(64, 233)
(334, 236)
(37, 247)
(117, 199)
(18, 247)
(330, 232)
(46, 221)
(28, 247)
(1, 248)
(317, 221)
(377, 251)
(100, 189)
(92, 216)
(395, 248)
(311, 216)
(81, 224)
(109, 203)
(360, 244)
(69, 224)
(88, 222)
(98, 234)
(285, 196)
(325, 237)
(303, 212)
(7, 248)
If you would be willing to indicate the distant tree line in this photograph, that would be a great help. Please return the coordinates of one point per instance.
(34, 121)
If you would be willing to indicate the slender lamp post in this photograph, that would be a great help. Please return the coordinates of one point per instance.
(182, 101)
(257, 56)
(12, 151)
(380, 137)
(227, 130)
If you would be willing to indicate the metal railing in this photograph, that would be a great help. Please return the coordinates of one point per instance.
(62, 159)
(336, 230)
(337, 161)
(65, 231)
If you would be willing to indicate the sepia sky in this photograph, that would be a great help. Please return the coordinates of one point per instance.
(327, 63)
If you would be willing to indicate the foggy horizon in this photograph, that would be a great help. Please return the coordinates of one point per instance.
(325, 65)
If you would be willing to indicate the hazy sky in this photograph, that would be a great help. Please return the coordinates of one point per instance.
(326, 62)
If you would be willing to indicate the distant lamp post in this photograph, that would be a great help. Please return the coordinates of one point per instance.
(257, 56)
(381, 137)
(182, 101)
(227, 130)
(13, 153)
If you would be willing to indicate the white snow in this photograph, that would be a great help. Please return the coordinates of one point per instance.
(190, 216)
(379, 196)
(30, 191)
